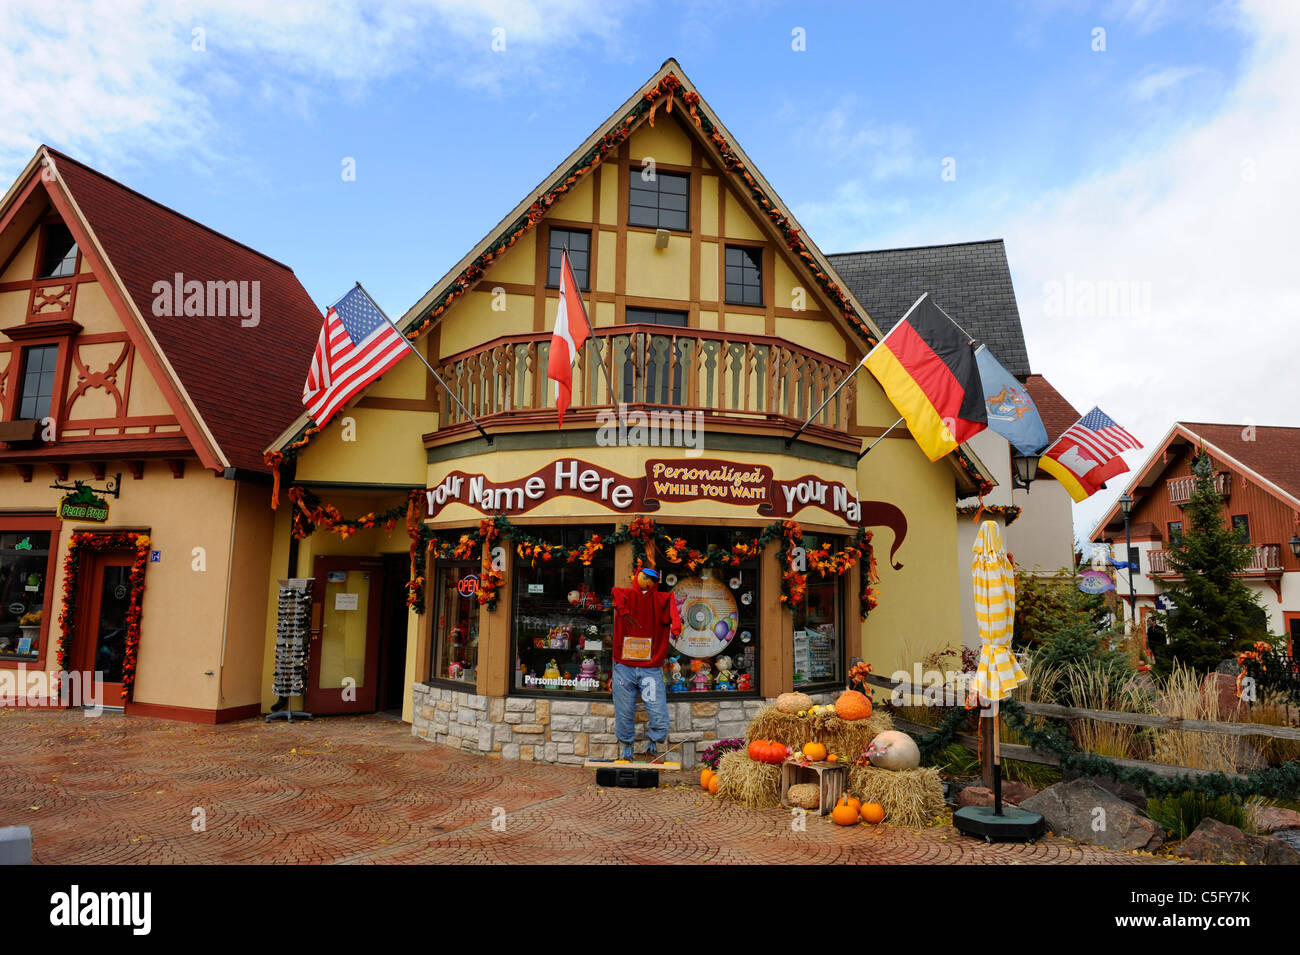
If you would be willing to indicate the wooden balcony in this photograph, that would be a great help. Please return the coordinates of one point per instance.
(1267, 562)
(1180, 489)
(750, 382)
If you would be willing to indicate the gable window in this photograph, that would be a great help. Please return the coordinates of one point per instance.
(578, 242)
(1241, 524)
(59, 257)
(37, 382)
(662, 382)
(1175, 533)
(660, 203)
(744, 275)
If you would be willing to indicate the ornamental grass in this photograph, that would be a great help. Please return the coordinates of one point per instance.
(1274, 709)
(748, 783)
(911, 797)
(1104, 687)
(844, 737)
(1185, 694)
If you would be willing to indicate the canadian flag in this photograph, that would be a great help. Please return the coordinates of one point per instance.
(571, 331)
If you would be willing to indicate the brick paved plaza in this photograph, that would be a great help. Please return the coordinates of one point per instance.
(362, 790)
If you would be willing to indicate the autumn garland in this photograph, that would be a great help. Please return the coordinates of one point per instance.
(1009, 512)
(90, 541)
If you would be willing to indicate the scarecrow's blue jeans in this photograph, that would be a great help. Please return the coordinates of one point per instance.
(648, 683)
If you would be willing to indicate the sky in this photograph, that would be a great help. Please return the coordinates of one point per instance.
(1138, 158)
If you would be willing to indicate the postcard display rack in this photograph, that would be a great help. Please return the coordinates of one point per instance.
(292, 640)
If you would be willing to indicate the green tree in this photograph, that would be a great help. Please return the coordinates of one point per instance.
(1215, 614)
(1067, 628)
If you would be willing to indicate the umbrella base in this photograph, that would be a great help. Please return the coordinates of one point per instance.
(1019, 825)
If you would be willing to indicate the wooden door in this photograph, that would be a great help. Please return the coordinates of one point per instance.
(343, 661)
(101, 620)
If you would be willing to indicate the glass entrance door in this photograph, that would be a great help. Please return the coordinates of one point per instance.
(101, 627)
(343, 662)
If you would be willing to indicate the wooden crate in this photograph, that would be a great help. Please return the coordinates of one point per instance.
(831, 780)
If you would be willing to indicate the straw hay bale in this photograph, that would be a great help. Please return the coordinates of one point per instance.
(748, 783)
(911, 798)
(804, 795)
(845, 737)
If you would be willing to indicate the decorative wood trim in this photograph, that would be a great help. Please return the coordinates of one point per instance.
(98, 469)
(60, 470)
(26, 471)
(50, 329)
(177, 466)
(542, 244)
(137, 469)
(722, 254)
(593, 246)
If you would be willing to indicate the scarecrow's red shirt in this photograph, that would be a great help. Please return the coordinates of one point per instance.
(647, 613)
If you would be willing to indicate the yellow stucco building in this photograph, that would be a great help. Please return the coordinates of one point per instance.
(717, 324)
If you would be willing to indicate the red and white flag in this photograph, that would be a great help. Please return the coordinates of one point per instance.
(571, 331)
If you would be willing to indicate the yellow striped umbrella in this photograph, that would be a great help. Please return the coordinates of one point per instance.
(995, 611)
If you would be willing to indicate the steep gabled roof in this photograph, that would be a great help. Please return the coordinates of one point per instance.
(240, 385)
(1057, 413)
(971, 281)
(667, 89)
(1270, 455)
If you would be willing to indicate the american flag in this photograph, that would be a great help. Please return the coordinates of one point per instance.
(357, 345)
(1100, 435)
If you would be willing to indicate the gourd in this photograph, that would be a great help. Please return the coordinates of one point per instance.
(844, 813)
(853, 705)
(705, 776)
(713, 785)
(872, 812)
(814, 751)
(793, 702)
(895, 751)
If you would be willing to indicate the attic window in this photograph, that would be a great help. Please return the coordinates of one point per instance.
(744, 275)
(578, 243)
(59, 258)
(659, 202)
(37, 382)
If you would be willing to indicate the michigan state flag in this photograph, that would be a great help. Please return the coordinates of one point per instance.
(1011, 412)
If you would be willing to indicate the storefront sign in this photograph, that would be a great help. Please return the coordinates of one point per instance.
(467, 586)
(83, 505)
(674, 481)
(1095, 582)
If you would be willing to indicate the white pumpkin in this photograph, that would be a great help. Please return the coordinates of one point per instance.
(793, 702)
(894, 750)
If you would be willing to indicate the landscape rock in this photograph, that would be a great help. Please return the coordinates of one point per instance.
(1271, 819)
(1013, 794)
(1130, 794)
(1215, 841)
(1071, 810)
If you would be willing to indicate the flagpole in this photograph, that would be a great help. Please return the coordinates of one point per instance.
(591, 339)
(789, 442)
(437, 377)
(883, 434)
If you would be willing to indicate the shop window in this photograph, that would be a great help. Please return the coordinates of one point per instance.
(819, 625)
(578, 243)
(718, 650)
(744, 275)
(564, 618)
(37, 382)
(659, 202)
(24, 565)
(455, 647)
(59, 258)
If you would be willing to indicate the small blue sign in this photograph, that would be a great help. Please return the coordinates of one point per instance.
(155, 556)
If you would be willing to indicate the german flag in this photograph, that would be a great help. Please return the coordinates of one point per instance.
(926, 364)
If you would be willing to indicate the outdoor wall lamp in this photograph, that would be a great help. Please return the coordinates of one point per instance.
(1026, 466)
(1294, 544)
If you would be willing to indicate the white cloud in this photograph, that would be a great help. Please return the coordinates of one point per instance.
(109, 78)
(1157, 81)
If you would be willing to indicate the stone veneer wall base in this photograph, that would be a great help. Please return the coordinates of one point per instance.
(567, 730)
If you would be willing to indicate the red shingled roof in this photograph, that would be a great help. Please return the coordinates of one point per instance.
(1057, 413)
(1271, 452)
(245, 383)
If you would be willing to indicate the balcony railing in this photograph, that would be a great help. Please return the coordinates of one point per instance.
(1267, 560)
(1180, 489)
(750, 377)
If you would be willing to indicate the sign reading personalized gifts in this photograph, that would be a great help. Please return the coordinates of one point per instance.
(83, 504)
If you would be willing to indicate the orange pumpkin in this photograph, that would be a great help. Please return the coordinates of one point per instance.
(872, 812)
(853, 801)
(713, 786)
(844, 814)
(814, 751)
(853, 705)
(755, 750)
(705, 775)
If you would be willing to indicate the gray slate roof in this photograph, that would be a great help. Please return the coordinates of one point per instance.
(971, 281)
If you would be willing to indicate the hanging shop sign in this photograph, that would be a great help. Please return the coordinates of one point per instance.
(726, 482)
(83, 504)
(1095, 582)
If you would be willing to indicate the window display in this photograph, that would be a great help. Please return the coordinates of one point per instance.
(819, 624)
(717, 650)
(564, 619)
(455, 654)
(24, 566)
